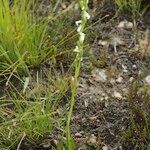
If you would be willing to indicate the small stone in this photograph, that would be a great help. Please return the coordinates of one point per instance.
(125, 24)
(106, 97)
(102, 98)
(64, 6)
(103, 43)
(105, 148)
(147, 80)
(92, 140)
(78, 135)
(131, 79)
(117, 95)
(134, 67)
(86, 103)
(125, 70)
(119, 80)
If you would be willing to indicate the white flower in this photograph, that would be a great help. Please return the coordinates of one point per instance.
(86, 15)
(78, 22)
(77, 49)
(82, 37)
(79, 29)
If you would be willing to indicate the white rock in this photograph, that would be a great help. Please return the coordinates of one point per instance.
(86, 103)
(117, 95)
(134, 67)
(106, 98)
(102, 98)
(125, 24)
(119, 80)
(125, 70)
(105, 148)
(103, 43)
(147, 80)
(131, 79)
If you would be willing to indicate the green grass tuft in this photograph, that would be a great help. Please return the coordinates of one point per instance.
(22, 36)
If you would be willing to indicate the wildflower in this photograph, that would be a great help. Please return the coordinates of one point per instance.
(82, 37)
(86, 15)
(78, 22)
(77, 49)
(79, 29)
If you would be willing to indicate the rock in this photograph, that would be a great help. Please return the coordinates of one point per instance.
(103, 43)
(92, 140)
(134, 67)
(117, 95)
(147, 80)
(78, 135)
(119, 80)
(105, 148)
(131, 79)
(106, 97)
(125, 25)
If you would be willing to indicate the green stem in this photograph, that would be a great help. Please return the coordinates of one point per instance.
(79, 55)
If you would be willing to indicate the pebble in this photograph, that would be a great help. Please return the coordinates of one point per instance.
(119, 80)
(117, 95)
(92, 140)
(103, 43)
(105, 148)
(147, 80)
(131, 79)
(125, 24)
(134, 67)
(78, 135)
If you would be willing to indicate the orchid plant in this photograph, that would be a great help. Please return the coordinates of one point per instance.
(79, 56)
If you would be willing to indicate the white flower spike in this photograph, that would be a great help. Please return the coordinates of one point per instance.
(86, 15)
(82, 37)
(78, 22)
(76, 49)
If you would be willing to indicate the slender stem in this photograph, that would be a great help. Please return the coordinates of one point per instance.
(79, 54)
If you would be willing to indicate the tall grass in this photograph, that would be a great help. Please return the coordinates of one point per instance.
(133, 6)
(22, 36)
(138, 132)
(34, 113)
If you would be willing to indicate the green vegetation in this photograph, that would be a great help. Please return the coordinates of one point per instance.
(33, 113)
(40, 63)
(133, 6)
(138, 132)
(28, 41)
(79, 50)
(22, 37)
